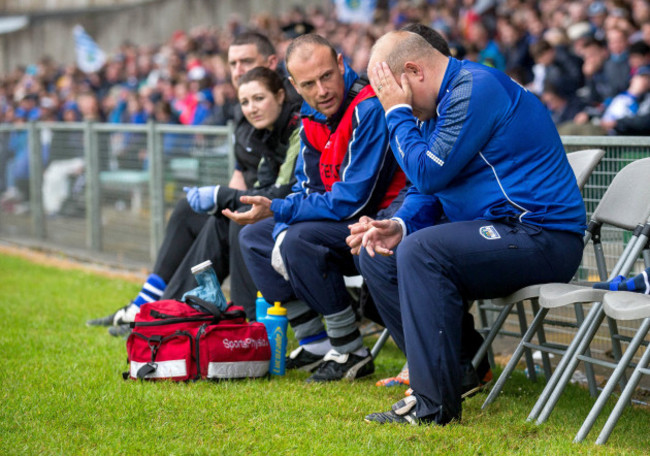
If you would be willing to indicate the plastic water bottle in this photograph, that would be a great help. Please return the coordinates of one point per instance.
(276, 323)
(208, 289)
(261, 306)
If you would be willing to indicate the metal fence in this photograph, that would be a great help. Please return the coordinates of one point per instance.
(106, 187)
(109, 187)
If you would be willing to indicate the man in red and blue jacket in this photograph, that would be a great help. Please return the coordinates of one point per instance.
(345, 170)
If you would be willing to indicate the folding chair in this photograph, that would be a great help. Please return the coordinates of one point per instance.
(625, 205)
(622, 306)
(583, 163)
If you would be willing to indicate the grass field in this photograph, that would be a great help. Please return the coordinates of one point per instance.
(62, 393)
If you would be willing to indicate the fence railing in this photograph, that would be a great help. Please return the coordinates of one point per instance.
(110, 187)
(106, 187)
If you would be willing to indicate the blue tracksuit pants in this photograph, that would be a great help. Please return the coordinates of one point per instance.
(315, 256)
(435, 271)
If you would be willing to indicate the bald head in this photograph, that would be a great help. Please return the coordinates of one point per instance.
(414, 64)
(397, 48)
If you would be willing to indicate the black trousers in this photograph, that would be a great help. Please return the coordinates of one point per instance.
(190, 239)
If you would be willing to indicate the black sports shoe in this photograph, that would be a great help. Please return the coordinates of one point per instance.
(303, 360)
(402, 412)
(124, 315)
(337, 366)
(120, 330)
(103, 321)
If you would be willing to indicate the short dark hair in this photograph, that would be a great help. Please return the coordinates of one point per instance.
(268, 78)
(555, 89)
(261, 42)
(434, 38)
(591, 41)
(540, 47)
(309, 38)
(639, 47)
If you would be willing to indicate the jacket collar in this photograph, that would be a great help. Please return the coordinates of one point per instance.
(452, 71)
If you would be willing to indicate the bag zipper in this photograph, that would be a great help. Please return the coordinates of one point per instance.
(163, 316)
(171, 321)
(199, 333)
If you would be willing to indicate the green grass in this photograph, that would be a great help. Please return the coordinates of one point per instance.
(62, 393)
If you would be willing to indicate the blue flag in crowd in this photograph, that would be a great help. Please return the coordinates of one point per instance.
(90, 57)
(355, 11)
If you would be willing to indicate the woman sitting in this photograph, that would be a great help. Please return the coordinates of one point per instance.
(197, 231)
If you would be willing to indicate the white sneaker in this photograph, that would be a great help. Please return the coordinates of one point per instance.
(126, 315)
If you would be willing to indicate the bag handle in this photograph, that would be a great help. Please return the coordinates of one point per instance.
(204, 306)
(234, 314)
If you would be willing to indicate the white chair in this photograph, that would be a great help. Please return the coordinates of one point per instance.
(582, 163)
(625, 205)
(622, 306)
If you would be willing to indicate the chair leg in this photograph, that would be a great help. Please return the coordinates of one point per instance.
(383, 337)
(589, 369)
(486, 327)
(523, 327)
(485, 324)
(626, 395)
(573, 362)
(516, 356)
(541, 337)
(613, 380)
(616, 346)
(559, 369)
(494, 331)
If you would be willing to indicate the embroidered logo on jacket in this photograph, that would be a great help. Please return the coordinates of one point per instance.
(489, 232)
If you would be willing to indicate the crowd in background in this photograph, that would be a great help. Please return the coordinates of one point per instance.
(579, 57)
(587, 61)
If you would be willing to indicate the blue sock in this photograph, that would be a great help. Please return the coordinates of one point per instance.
(151, 291)
(639, 283)
(612, 285)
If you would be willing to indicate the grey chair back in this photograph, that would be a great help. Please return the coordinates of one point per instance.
(625, 202)
(583, 163)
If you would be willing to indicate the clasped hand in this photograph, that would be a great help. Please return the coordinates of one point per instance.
(376, 236)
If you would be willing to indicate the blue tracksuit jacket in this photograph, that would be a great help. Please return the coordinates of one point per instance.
(491, 152)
